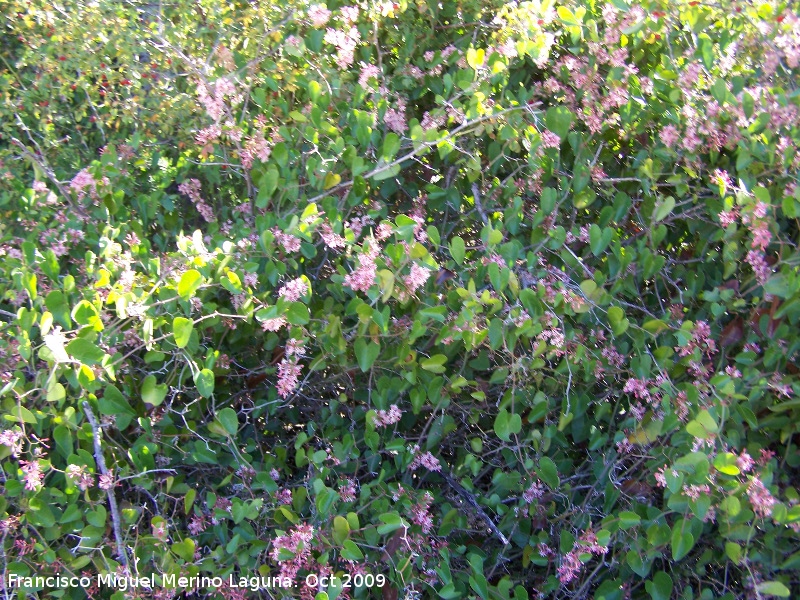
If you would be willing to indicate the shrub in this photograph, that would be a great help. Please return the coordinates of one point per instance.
(460, 300)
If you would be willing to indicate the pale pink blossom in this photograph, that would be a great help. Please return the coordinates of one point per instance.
(388, 417)
(760, 498)
(395, 120)
(669, 135)
(745, 462)
(331, 240)
(550, 139)
(106, 481)
(347, 491)
(318, 14)
(273, 324)
(368, 72)
(293, 290)
(288, 377)
(33, 474)
(12, 439)
(417, 277)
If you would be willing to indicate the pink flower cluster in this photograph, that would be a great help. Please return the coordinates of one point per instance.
(256, 147)
(332, 241)
(760, 497)
(534, 492)
(571, 563)
(213, 96)
(345, 43)
(701, 340)
(289, 242)
(293, 290)
(669, 135)
(388, 417)
(362, 278)
(318, 14)
(80, 476)
(206, 137)
(273, 324)
(298, 543)
(84, 180)
(12, 439)
(33, 474)
(420, 513)
(426, 459)
(347, 491)
(368, 72)
(191, 188)
(395, 117)
(288, 376)
(416, 278)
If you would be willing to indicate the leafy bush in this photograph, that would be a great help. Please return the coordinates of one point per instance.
(460, 299)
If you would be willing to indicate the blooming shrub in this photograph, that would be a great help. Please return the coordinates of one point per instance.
(488, 299)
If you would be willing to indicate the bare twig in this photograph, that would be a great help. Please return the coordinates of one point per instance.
(476, 196)
(112, 499)
(473, 502)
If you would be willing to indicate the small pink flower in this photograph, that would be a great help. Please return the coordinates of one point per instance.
(550, 140)
(318, 14)
(293, 290)
(761, 498)
(273, 324)
(388, 417)
(669, 135)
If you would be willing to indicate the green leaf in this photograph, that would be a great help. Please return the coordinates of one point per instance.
(56, 303)
(682, 540)
(114, 403)
(778, 285)
(297, 314)
(628, 519)
(616, 318)
(567, 17)
(548, 472)
(434, 364)
(188, 501)
(726, 463)
(85, 351)
(152, 392)
(341, 529)
(184, 549)
(558, 120)
(267, 186)
(391, 522)
(773, 588)
(507, 424)
(733, 551)
(386, 173)
(227, 417)
(24, 415)
(391, 145)
(475, 57)
(457, 249)
(204, 380)
(366, 353)
(63, 440)
(350, 551)
(182, 330)
(663, 209)
(660, 588)
(599, 238)
(189, 283)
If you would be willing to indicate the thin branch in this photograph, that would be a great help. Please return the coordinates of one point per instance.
(112, 499)
(473, 502)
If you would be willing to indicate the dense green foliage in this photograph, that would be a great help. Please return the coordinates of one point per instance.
(486, 299)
